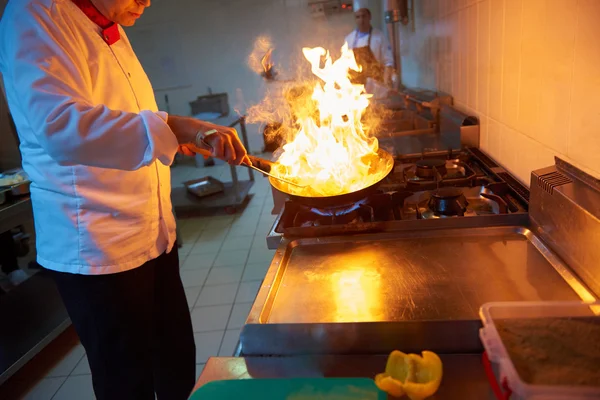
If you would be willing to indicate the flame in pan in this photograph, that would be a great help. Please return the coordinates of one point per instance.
(330, 153)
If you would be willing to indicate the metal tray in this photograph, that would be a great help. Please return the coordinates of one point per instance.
(424, 289)
(204, 186)
(3, 194)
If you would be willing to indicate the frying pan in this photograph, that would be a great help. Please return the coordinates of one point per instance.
(327, 201)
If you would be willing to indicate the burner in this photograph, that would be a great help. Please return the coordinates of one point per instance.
(448, 201)
(312, 216)
(426, 169)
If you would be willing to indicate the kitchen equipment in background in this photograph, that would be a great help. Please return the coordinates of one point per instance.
(396, 11)
(204, 186)
(15, 183)
(328, 8)
(3, 194)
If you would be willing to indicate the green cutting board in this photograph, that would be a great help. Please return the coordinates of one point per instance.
(290, 389)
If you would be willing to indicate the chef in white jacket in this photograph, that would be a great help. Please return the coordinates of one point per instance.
(371, 48)
(98, 153)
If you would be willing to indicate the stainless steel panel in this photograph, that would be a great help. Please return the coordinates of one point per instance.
(423, 288)
(566, 213)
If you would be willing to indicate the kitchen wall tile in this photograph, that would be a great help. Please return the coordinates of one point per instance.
(471, 55)
(483, 56)
(584, 136)
(511, 58)
(456, 88)
(494, 139)
(496, 60)
(510, 147)
(462, 80)
(443, 8)
(531, 79)
(444, 58)
(557, 72)
(483, 132)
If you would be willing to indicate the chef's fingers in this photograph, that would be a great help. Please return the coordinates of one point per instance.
(216, 142)
(246, 160)
(240, 151)
(229, 151)
(186, 151)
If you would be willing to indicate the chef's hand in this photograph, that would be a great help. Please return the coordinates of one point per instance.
(387, 76)
(224, 143)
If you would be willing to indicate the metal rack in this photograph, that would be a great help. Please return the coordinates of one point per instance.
(233, 196)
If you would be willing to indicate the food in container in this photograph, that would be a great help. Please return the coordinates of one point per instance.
(542, 350)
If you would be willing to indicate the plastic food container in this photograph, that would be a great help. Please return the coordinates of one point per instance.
(530, 321)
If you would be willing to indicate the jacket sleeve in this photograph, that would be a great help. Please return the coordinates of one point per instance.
(388, 56)
(52, 85)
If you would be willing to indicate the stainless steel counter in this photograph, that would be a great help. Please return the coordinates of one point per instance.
(410, 290)
(464, 377)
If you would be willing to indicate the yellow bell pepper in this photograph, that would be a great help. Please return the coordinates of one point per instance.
(416, 376)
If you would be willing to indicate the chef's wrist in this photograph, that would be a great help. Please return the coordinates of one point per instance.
(184, 128)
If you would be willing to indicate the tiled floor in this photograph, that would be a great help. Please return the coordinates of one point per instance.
(223, 261)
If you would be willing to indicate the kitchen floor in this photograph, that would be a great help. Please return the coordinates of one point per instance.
(223, 261)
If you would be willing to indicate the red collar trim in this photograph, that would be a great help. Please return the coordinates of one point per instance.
(110, 30)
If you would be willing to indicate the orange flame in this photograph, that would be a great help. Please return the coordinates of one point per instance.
(331, 154)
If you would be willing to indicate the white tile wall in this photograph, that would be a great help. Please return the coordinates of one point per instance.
(527, 68)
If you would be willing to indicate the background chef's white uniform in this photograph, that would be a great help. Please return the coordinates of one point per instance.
(379, 45)
(93, 141)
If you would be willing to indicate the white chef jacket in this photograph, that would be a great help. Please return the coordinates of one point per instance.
(379, 45)
(93, 142)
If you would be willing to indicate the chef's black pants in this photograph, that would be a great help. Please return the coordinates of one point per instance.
(8, 254)
(136, 329)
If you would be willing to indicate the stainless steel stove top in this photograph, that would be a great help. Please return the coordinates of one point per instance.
(429, 186)
(412, 284)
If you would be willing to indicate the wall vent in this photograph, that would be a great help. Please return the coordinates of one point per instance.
(552, 180)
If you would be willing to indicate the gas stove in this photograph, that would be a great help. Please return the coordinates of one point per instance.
(428, 186)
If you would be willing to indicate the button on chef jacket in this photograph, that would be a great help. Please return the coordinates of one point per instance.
(93, 142)
(379, 45)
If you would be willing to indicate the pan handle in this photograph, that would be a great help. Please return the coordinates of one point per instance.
(261, 163)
